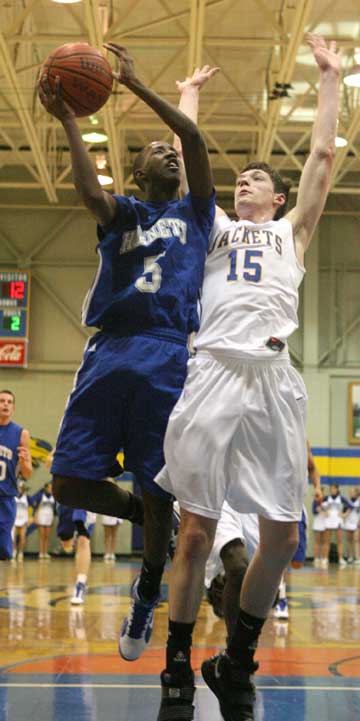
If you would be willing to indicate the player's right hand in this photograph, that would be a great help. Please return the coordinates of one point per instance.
(52, 99)
(199, 77)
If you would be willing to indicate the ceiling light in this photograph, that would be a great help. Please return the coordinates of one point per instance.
(94, 120)
(94, 137)
(66, 2)
(352, 78)
(103, 174)
(105, 178)
(340, 142)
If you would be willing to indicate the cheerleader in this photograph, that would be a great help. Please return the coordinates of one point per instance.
(21, 521)
(350, 526)
(44, 502)
(334, 505)
(318, 527)
(111, 525)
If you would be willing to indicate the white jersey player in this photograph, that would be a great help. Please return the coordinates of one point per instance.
(237, 432)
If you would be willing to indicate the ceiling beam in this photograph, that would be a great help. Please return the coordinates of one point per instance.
(284, 75)
(26, 120)
(96, 37)
(341, 153)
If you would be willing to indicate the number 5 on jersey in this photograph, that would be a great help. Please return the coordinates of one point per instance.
(150, 279)
(252, 269)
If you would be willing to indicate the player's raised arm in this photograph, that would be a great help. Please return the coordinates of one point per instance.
(24, 454)
(315, 178)
(189, 90)
(195, 154)
(101, 204)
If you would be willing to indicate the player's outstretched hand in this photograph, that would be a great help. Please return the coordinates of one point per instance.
(327, 57)
(52, 99)
(125, 73)
(199, 77)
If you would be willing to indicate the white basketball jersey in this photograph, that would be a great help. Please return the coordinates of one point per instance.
(250, 290)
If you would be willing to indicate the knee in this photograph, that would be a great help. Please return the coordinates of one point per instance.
(194, 544)
(283, 546)
(235, 560)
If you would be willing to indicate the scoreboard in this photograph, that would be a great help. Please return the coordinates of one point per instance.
(14, 317)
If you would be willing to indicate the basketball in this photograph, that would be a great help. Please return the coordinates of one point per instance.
(85, 75)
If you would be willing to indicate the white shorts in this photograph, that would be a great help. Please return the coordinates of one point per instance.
(45, 517)
(231, 525)
(332, 524)
(349, 525)
(111, 521)
(319, 523)
(238, 432)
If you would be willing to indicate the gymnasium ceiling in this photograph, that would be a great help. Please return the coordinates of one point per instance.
(246, 112)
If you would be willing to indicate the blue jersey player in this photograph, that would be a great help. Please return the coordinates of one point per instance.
(14, 456)
(144, 302)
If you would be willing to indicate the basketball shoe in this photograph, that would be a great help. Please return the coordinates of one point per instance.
(281, 610)
(177, 696)
(137, 626)
(79, 594)
(231, 685)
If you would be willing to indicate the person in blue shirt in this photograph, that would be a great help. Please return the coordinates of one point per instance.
(144, 302)
(14, 456)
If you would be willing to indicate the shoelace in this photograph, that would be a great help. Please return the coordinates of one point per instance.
(144, 615)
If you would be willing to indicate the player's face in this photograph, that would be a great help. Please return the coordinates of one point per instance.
(7, 405)
(254, 192)
(162, 164)
(334, 490)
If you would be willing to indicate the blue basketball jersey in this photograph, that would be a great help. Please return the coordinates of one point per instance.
(151, 267)
(9, 441)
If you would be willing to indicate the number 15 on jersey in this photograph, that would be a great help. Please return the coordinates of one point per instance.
(252, 269)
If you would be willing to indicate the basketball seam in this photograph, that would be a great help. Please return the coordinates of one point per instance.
(81, 105)
(82, 75)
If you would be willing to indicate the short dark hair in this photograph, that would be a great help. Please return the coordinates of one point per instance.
(10, 393)
(137, 164)
(281, 185)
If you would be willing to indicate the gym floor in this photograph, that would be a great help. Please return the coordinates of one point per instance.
(59, 663)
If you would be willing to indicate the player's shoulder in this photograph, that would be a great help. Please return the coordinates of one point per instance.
(15, 427)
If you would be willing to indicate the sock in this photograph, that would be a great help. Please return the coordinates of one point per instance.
(150, 579)
(81, 578)
(178, 648)
(243, 643)
(282, 590)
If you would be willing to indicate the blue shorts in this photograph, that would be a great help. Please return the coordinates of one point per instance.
(7, 520)
(124, 393)
(82, 526)
(66, 527)
(300, 555)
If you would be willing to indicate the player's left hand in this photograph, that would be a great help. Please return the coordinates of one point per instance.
(199, 77)
(327, 57)
(125, 73)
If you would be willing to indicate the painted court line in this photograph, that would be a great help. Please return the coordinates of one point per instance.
(157, 686)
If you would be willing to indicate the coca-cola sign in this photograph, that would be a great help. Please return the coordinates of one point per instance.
(13, 353)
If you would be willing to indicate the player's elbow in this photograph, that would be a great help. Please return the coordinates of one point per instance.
(325, 153)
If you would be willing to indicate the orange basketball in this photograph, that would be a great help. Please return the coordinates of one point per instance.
(85, 75)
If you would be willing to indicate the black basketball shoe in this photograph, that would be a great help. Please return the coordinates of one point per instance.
(232, 686)
(177, 695)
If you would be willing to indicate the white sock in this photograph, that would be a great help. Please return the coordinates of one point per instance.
(82, 578)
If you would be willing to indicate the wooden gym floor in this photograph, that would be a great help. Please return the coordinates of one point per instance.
(60, 663)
